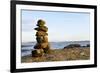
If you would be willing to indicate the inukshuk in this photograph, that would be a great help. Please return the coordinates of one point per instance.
(42, 45)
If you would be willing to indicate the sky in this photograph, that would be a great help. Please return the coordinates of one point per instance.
(62, 26)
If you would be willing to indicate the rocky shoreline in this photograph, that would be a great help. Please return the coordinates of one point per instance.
(66, 54)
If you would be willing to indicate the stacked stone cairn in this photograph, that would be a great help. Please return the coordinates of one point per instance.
(42, 46)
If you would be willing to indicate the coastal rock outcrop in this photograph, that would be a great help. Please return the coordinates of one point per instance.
(72, 46)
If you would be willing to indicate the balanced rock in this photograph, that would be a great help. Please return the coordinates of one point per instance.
(41, 38)
(42, 28)
(37, 53)
(41, 33)
(40, 23)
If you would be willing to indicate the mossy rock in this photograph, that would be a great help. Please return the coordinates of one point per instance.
(37, 46)
(44, 45)
(41, 33)
(42, 39)
(42, 28)
(45, 39)
(47, 49)
(37, 53)
(40, 45)
(39, 39)
(40, 23)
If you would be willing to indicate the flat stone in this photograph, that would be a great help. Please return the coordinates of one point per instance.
(42, 28)
(41, 33)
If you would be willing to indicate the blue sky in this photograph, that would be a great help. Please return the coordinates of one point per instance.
(62, 26)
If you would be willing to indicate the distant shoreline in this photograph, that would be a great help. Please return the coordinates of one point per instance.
(57, 41)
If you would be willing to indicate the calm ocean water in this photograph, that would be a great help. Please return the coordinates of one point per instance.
(27, 47)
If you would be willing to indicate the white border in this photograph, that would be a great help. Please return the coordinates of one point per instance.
(20, 65)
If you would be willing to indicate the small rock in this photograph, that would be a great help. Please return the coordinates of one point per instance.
(82, 53)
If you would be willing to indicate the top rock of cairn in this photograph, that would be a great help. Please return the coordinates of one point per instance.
(41, 26)
(40, 23)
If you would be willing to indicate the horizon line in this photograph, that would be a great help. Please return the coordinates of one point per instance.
(60, 41)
